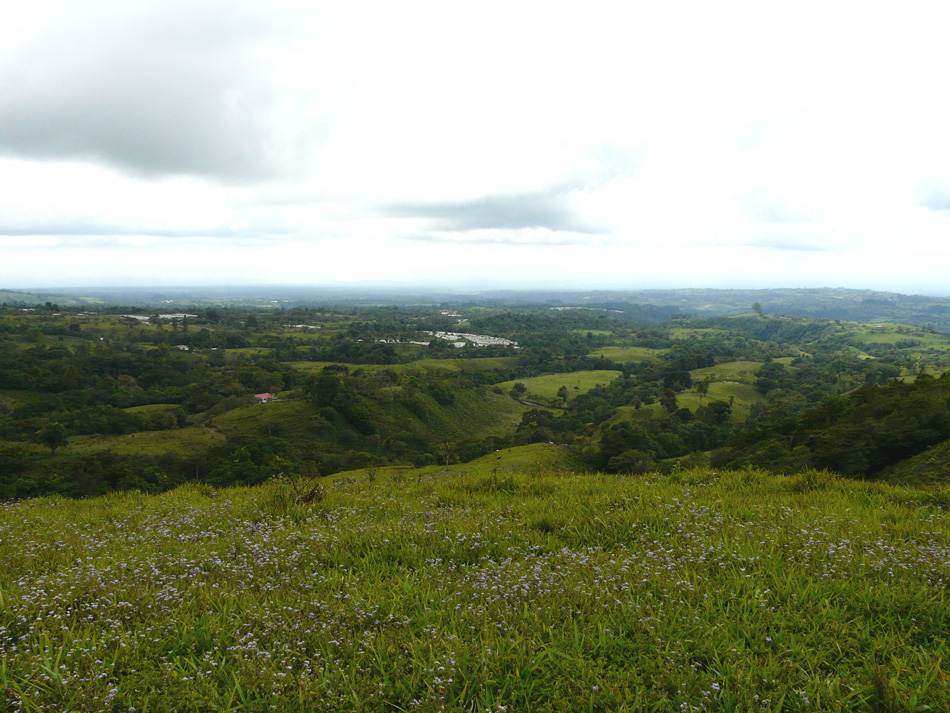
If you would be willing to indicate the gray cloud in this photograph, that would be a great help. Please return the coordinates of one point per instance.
(935, 195)
(81, 229)
(528, 210)
(483, 237)
(789, 242)
(551, 208)
(153, 89)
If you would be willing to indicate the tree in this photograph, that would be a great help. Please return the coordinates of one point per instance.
(53, 436)
(702, 388)
(757, 308)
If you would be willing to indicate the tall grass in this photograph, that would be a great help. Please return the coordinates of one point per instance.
(480, 590)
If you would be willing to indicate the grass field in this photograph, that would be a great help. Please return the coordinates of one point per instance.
(859, 353)
(622, 355)
(537, 457)
(482, 590)
(894, 333)
(181, 441)
(14, 398)
(246, 351)
(739, 371)
(742, 396)
(679, 333)
(441, 366)
(577, 382)
(152, 408)
(595, 332)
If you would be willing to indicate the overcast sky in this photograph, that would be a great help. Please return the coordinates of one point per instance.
(622, 145)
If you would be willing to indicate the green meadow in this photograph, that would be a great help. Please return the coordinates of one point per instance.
(434, 366)
(741, 396)
(622, 355)
(485, 587)
(182, 441)
(742, 372)
(577, 382)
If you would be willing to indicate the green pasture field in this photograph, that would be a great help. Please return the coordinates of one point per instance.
(248, 351)
(859, 353)
(438, 366)
(152, 408)
(929, 467)
(743, 398)
(473, 415)
(595, 332)
(481, 589)
(622, 355)
(739, 371)
(680, 333)
(312, 366)
(247, 421)
(181, 441)
(519, 459)
(889, 334)
(577, 382)
(14, 398)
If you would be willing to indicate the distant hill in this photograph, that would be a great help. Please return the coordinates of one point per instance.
(28, 299)
(824, 303)
(642, 306)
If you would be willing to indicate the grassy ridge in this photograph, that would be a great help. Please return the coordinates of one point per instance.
(622, 355)
(482, 590)
(577, 382)
(741, 396)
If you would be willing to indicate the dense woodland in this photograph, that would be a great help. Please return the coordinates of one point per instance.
(93, 400)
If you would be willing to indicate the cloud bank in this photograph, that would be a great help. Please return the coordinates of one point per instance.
(615, 145)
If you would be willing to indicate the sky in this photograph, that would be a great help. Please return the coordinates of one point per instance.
(623, 145)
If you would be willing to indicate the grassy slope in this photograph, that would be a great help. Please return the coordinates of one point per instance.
(475, 414)
(577, 382)
(743, 398)
(931, 466)
(740, 371)
(473, 591)
(181, 441)
(622, 355)
(733, 380)
(519, 459)
(440, 366)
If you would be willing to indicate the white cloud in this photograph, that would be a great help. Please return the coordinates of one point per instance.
(618, 144)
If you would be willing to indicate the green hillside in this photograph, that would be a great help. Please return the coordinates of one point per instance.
(97, 399)
(741, 397)
(869, 432)
(928, 467)
(522, 460)
(469, 588)
(547, 386)
(622, 355)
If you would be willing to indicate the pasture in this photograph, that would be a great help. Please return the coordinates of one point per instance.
(741, 396)
(623, 355)
(742, 372)
(435, 366)
(180, 441)
(577, 382)
(482, 590)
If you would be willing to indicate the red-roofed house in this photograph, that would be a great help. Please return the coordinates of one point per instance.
(263, 398)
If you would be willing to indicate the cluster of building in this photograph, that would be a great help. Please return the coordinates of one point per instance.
(478, 340)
